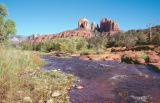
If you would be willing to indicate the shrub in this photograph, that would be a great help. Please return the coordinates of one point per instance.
(145, 57)
(141, 38)
(125, 39)
(26, 46)
(97, 43)
(60, 44)
(47, 46)
(156, 38)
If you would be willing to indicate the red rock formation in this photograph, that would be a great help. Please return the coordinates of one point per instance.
(66, 34)
(83, 23)
(109, 26)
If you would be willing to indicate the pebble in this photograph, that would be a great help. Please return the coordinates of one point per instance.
(79, 87)
(27, 100)
(55, 70)
(146, 76)
(67, 97)
(78, 80)
(40, 101)
(49, 101)
(56, 94)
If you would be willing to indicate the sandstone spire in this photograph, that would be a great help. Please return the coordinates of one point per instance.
(93, 26)
(83, 24)
(108, 26)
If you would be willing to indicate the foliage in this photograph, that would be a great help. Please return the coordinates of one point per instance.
(7, 27)
(47, 46)
(97, 43)
(27, 46)
(3, 10)
(61, 44)
(156, 38)
(128, 39)
(123, 39)
(71, 44)
(141, 38)
(145, 57)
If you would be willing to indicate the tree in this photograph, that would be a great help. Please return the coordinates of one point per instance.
(3, 10)
(7, 27)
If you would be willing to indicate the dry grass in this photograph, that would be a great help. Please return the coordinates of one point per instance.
(21, 78)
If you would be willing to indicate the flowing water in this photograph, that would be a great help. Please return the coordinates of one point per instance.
(109, 81)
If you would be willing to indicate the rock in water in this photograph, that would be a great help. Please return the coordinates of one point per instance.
(79, 87)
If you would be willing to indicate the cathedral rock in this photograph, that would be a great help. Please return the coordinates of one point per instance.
(109, 26)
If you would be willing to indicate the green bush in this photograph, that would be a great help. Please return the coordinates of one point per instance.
(142, 38)
(145, 57)
(60, 44)
(26, 46)
(71, 44)
(156, 38)
(123, 39)
(128, 39)
(47, 46)
(97, 43)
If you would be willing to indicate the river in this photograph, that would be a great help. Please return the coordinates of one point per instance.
(109, 81)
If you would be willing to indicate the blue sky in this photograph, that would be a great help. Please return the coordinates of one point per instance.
(53, 16)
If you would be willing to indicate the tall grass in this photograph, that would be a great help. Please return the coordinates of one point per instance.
(21, 77)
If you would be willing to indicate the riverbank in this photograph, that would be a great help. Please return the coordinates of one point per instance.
(146, 55)
(23, 81)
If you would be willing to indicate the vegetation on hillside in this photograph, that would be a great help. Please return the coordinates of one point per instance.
(95, 44)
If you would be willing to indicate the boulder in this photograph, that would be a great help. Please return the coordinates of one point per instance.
(133, 58)
(156, 65)
(153, 57)
(140, 60)
(96, 57)
(118, 49)
(84, 57)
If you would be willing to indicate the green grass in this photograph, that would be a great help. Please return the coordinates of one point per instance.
(21, 77)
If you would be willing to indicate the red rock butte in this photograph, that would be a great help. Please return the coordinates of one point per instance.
(108, 26)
